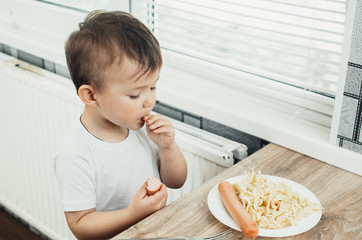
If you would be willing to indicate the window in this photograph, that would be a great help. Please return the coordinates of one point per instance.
(269, 43)
(40, 27)
(298, 42)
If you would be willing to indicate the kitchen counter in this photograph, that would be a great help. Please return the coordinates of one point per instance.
(339, 191)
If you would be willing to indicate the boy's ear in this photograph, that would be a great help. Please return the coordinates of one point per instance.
(86, 94)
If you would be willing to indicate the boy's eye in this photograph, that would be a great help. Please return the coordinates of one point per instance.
(153, 88)
(134, 96)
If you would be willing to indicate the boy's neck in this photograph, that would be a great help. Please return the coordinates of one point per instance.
(102, 128)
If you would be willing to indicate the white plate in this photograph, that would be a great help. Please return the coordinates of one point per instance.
(218, 210)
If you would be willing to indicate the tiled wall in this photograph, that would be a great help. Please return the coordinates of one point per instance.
(253, 143)
(349, 131)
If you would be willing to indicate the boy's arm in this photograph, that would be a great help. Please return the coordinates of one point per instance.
(91, 224)
(173, 167)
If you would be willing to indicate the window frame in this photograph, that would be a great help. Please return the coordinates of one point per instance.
(26, 34)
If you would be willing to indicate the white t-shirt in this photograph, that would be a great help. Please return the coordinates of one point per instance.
(92, 173)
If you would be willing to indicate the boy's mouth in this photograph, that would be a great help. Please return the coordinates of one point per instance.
(144, 118)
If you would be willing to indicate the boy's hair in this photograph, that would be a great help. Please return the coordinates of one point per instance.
(101, 39)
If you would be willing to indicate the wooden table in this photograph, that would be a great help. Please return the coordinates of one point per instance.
(339, 191)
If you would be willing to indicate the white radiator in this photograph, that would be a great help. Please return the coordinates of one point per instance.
(37, 108)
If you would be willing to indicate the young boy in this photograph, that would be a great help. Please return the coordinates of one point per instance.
(105, 161)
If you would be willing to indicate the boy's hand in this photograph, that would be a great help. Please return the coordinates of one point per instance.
(91, 224)
(160, 130)
(143, 205)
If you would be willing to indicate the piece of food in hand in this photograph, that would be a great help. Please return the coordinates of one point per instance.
(237, 211)
(153, 186)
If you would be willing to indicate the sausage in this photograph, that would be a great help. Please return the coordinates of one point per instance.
(237, 211)
(153, 186)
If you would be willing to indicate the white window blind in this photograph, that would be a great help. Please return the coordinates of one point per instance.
(78, 4)
(90, 4)
(291, 49)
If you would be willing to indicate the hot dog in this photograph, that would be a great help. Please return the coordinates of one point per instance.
(236, 210)
(153, 186)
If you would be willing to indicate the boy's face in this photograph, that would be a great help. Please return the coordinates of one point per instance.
(126, 96)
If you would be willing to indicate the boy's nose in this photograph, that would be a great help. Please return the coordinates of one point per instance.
(148, 102)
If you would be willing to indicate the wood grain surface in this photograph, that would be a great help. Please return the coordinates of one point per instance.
(339, 191)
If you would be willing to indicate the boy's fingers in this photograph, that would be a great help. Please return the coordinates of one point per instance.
(162, 130)
(162, 193)
(142, 192)
(152, 118)
(160, 197)
(162, 127)
(157, 124)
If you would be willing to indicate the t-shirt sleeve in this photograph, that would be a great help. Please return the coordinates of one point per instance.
(76, 180)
